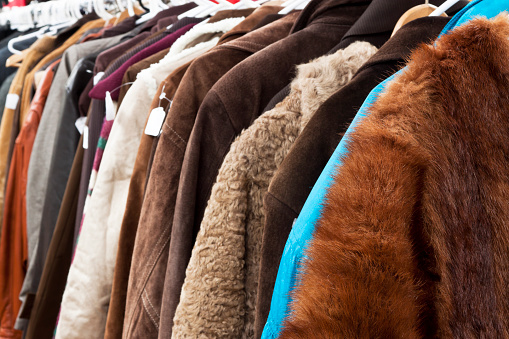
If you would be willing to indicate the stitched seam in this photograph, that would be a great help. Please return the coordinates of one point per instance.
(185, 143)
(151, 305)
(176, 144)
(145, 277)
(150, 315)
(282, 202)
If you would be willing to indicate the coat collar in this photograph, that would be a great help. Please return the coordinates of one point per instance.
(319, 10)
(262, 37)
(407, 39)
(250, 21)
(181, 44)
(381, 16)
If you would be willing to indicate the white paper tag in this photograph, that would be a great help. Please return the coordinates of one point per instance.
(85, 137)
(11, 101)
(111, 108)
(80, 124)
(155, 122)
(98, 77)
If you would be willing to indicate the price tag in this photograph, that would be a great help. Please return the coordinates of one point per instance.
(80, 124)
(98, 77)
(11, 101)
(85, 137)
(111, 108)
(155, 122)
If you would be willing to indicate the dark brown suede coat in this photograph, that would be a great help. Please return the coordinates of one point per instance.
(116, 311)
(413, 238)
(230, 106)
(299, 171)
(148, 265)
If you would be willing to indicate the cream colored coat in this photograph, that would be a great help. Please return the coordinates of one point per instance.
(219, 292)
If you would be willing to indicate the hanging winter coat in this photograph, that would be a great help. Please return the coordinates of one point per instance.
(219, 292)
(414, 235)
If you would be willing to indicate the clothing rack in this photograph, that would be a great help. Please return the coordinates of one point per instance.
(258, 169)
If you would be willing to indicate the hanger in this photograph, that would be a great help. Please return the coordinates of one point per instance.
(162, 4)
(222, 5)
(76, 10)
(99, 7)
(444, 7)
(413, 13)
(290, 5)
(154, 7)
(18, 56)
(20, 18)
(202, 5)
(246, 4)
(38, 34)
(130, 8)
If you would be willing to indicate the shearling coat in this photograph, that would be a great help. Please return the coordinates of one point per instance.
(219, 292)
(413, 241)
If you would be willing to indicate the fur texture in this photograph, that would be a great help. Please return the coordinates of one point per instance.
(219, 292)
(413, 241)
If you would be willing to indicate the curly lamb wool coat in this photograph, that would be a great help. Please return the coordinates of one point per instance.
(219, 292)
(414, 239)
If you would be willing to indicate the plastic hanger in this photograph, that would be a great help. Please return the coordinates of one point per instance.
(202, 4)
(290, 5)
(413, 13)
(444, 7)
(21, 18)
(223, 4)
(245, 4)
(10, 44)
(153, 8)
(18, 56)
(101, 11)
(161, 4)
(76, 10)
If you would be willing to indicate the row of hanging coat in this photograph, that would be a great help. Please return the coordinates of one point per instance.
(332, 168)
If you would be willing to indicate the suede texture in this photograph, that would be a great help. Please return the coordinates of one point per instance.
(299, 171)
(418, 208)
(151, 244)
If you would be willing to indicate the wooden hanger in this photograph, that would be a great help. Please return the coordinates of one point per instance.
(416, 12)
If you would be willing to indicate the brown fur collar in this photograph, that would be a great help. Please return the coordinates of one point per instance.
(414, 239)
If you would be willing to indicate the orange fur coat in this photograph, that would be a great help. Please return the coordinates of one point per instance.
(414, 239)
